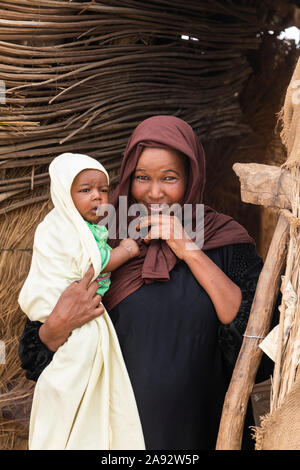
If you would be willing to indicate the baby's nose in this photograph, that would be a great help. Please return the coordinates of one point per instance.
(97, 194)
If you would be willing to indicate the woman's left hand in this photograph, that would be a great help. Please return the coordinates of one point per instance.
(225, 295)
(170, 229)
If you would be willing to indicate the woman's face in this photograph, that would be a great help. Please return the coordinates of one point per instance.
(89, 190)
(160, 177)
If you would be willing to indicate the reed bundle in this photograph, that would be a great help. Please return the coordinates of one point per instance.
(80, 76)
(15, 390)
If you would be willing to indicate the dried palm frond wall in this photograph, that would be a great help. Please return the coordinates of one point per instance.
(261, 101)
(80, 76)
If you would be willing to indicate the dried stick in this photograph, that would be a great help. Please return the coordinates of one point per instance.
(236, 400)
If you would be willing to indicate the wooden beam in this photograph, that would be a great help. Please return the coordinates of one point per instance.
(264, 185)
(243, 377)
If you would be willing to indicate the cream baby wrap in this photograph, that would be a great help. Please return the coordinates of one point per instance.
(83, 399)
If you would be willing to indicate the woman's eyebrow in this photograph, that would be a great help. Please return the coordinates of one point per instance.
(173, 171)
(165, 171)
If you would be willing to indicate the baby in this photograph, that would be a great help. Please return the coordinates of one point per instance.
(86, 385)
(89, 190)
(69, 240)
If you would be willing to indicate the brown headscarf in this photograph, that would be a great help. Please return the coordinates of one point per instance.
(156, 260)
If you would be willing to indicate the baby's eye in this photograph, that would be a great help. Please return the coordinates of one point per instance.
(85, 190)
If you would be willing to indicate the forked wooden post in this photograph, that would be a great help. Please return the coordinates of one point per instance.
(237, 397)
(258, 187)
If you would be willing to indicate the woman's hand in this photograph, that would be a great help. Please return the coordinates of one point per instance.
(77, 305)
(225, 295)
(170, 229)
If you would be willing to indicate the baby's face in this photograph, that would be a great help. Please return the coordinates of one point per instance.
(89, 190)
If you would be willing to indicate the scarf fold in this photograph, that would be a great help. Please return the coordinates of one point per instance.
(157, 260)
(83, 399)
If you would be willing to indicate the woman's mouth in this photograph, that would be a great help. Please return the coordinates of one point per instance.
(155, 207)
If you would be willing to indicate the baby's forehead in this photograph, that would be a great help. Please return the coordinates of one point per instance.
(90, 175)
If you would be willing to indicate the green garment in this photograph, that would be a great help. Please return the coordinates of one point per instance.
(101, 234)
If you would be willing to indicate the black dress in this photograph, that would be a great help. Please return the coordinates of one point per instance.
(178, 355)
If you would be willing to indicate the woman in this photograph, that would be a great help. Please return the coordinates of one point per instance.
(170, 306)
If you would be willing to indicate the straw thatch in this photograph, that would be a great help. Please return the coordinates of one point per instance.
(261, 102)
(83, 74)
(80, 75)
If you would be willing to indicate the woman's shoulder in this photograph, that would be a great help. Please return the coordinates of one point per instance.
(236, 258)
(238, 261)
(240, 252)
(244, 254)
(245, 262)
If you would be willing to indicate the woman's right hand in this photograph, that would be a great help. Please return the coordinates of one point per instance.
(77, 305)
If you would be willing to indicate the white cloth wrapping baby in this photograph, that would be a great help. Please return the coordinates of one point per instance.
(83, 399)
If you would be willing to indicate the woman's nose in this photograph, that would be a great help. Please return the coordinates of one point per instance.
(155, 191)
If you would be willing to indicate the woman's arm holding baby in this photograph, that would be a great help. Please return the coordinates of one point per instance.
(80, 303)
(77, 305)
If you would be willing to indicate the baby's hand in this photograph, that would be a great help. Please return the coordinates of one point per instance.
(131, 246)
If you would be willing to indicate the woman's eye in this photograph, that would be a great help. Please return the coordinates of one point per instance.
(169, 178)
(142, 177)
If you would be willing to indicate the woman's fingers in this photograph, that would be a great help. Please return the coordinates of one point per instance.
(154, 219)
(92, 288)
(99, 311)
(85, 281)
(162, 226)
(168, 228)
(96, 300)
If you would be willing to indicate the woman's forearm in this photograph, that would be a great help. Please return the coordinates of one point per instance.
(225, 294)
(77, 305)
(54, 333)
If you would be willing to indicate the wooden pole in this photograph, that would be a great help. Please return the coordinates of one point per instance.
(243, 377)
